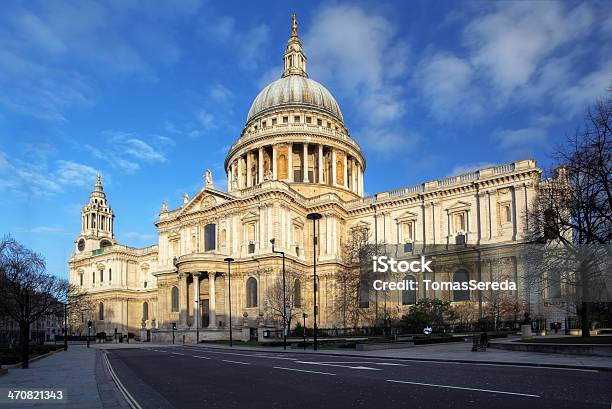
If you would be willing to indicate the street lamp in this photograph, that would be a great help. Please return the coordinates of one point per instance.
(229, 289)
(66, 327)
(284, 297)
(304, 328)
(197, 318)
(88, 332)
(314, 217)
(173, 330)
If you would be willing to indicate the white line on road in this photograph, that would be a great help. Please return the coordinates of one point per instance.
(342, 366)
(177, 353)
(201, 357)
(462, 388)
(388, 364)
(303, 370)
(236, 353)
(235, 362)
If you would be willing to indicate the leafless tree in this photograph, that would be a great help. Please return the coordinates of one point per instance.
(27, 291)
(294, 299)
(571, 218)
(356, 255)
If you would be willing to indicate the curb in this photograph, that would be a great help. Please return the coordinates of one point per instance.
(34, 359)
(461, 361)
(126, 394)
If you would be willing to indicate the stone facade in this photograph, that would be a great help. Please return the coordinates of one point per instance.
(295, 156)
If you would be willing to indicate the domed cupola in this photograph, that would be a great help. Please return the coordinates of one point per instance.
(295, 132)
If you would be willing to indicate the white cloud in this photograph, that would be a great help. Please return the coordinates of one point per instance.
(509, 44)
(206, 119)
(523, 138)
(247, 43)
(41, 230)
(370, 70)
(220, 94)
(41, 179)
(446, 81)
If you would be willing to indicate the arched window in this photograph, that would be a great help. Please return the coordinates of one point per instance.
(461, 276)
(175, 299)
(251, 287)
(297, 294)
(408, 295)
(282, 167)
(145, 311)
(101, 312)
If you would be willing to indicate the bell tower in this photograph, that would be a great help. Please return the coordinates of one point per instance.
(97, 222)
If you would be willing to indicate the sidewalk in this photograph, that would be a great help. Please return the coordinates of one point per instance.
(73, 371)
(459, 352)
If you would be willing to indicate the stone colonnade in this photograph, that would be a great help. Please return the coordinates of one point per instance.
(296, 163)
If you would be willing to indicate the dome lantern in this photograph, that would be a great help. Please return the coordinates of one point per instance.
(294, 58)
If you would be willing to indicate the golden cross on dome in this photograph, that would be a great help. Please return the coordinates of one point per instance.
(294, 26)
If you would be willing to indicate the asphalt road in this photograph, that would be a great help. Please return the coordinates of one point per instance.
(201, 377)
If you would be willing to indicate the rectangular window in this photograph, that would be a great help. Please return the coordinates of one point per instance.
(81, 279)
(285, 119)
(328, 124)
(210, 233)
(296, 119)
(251, 248)
(407, 247)
(110, 274)
(507, 214)
(93, 277)
(273, 121)
(320, 122)
(264, 124)
(308, 120)
(101, 276)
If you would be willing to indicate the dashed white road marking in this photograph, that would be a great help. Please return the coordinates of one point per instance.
(235, 362)
(201, 357)
(177, 353)
(463, 388)
(303, 370)
(341, 366)
(388, 364)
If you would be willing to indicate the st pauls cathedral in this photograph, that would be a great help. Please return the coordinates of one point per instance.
(295, 157)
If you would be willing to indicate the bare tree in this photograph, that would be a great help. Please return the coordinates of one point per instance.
(356, 257)
(571, 218)
(27, 292)
(293, 297)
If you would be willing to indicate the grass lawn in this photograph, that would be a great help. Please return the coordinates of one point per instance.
(571, 340)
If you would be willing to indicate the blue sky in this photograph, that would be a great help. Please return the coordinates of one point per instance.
(152, 93)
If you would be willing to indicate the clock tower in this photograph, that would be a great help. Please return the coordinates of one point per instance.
(97, 220)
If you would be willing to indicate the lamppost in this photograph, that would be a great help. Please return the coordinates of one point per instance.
(197, 318)
(65, 326)
(304, 328)
(229, 289)
(173, 329)
(88, 332)
(314, 217)
(284, 296)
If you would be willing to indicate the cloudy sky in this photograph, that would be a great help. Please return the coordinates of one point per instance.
(152, 93)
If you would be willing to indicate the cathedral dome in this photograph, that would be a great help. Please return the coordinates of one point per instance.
(295, 90)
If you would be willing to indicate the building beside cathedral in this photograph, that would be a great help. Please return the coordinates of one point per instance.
(294, 157)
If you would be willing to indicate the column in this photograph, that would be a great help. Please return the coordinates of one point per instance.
(327, 235)
(320, 167)
(305, 163)
(290, 162)
(232, 176)
(274, 162)
(196, 297)
(183, 300)
(260, 162)
(333, 159)
(354, 176)
(345, 170)
(360, 180)
(249, 165)
(240, 181)
(212, 315)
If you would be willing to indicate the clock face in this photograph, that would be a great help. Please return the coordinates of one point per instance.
(81, 245)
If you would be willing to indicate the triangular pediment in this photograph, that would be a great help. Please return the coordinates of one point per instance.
(205, 199)
(458, 205)
(408, 215)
